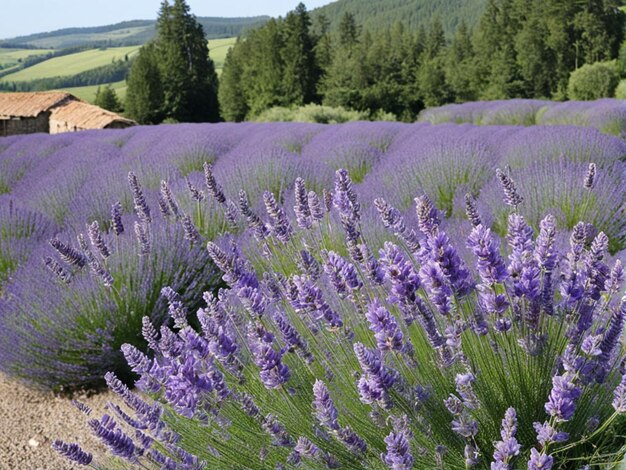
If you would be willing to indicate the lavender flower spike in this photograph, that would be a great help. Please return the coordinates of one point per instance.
(619, 400)
(141, 207)
(508, 447)
(325, 409)
(511, 196)
(539, 461)
(95, 236)
(116, 218)
(398, 456)
(72, 452)
(590, 178)
(215, 190)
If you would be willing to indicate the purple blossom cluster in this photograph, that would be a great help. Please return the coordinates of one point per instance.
(312, 355)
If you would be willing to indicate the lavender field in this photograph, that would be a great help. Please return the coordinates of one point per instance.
(364, 295)
(607, 115)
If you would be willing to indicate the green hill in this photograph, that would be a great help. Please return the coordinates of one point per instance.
(382, 14)
(71, 64)
(129, 33)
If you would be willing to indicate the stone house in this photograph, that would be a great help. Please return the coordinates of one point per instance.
(53, 112)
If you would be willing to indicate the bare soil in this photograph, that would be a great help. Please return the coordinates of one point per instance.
(30, 421)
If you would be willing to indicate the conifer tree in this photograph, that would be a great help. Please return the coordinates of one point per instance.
(298, 56)
(106, 98)
(144, 93)
(188, 74)
(232, 94)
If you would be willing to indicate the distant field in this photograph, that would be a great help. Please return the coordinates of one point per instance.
(71, 64)
(88, 93)
(13, 56)
(218, 48)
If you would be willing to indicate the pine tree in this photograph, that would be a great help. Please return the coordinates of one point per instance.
(188, 74)
(298, 56)
(232, 98)
(144, 93)
(107, 99)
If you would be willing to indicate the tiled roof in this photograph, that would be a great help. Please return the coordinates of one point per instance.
(86, 116)
(30, 104)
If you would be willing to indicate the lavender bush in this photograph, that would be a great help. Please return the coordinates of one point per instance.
(330, 356)
(69, 308)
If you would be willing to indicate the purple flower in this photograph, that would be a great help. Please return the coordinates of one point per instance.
(471, 211)
(508, 447)
(490, 264)
(141, 207)
(177, 309)
(511, 196)
(376, 379)
(398, 456)
(325, 409)
(116, 219)
(316, 206)
(619, 396)
(56, 269)
(388, 336)
(546, 434)
(190, 230)
(427, 216)
(590, 177)
(539, 461)
(306, 448)
(72, 452)
(562, 401)
(68, 254)
(435, 283)
(215, 190)
(301, 208)
(196, 194)
(119, 443)
(273, 372)
(280, 223)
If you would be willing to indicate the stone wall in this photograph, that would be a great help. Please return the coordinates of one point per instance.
(24, 125)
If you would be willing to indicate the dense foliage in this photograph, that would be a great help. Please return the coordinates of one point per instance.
(519, 49)
(383, 14)
(186, 75)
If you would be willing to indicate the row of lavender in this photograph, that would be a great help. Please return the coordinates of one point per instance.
(327, 311)
(56, 185)
(607, 115)
(332, 354)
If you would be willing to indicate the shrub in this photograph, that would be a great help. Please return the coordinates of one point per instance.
(69, 308)
(593, 81)
(403, 360)
(314, 113)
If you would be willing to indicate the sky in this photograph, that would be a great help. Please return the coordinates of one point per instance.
(22, 17)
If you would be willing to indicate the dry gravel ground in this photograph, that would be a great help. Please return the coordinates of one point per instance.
(30, 421)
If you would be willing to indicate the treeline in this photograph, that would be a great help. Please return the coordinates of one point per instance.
(382, 14)
(520, 49)
(114, 72)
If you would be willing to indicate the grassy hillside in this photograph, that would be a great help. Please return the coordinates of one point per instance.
(71, 64)
(382, 14)
(94, 58)
(88, 93)
(218, 48)
(130, 33)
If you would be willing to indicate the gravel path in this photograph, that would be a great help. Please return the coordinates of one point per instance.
(30, 421)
